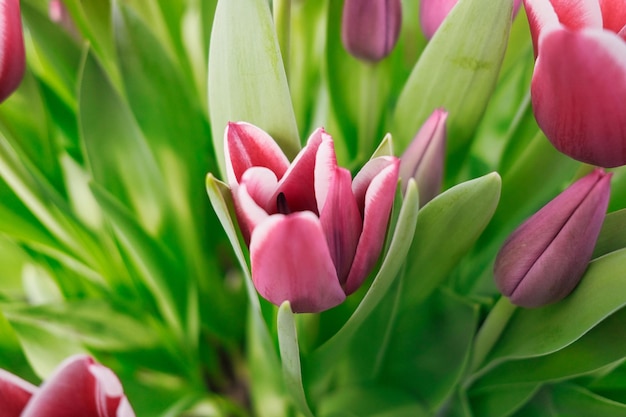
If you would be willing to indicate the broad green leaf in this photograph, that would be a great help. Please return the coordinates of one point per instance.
(12, 358)
(326, 355)
(456, 71)
(290, 357)
(371, 401)
(247, 80)
(502, 401)
(612, 235)
(447, 227)
(540, 331)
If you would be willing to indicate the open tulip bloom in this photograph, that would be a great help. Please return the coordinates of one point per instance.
(452, 242)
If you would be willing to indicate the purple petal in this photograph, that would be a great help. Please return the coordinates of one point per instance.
(14, 394)
(376, 185)
(12, 62)
(291, 261)
(248, 146)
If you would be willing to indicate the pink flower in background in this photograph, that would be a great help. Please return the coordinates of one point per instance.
(370, 28)
(545, 258)
(579, 83)
(433, 12)
(11, 47)
(79, 387)
(314, 232)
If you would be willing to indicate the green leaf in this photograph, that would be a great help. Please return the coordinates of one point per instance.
(540, 331)
(456, 71)
(447, 227)
(371, 401)
(612, 235)
(247, 80)
(290, 357)
(502, 401)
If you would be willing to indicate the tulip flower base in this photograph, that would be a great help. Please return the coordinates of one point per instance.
(312, 208)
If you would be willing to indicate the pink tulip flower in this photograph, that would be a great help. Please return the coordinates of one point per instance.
(423, 159)
(545, 258)
(579, 82)
(433, 12)
(314, 232)
(78, 388)
(370, 28)
(11, 47)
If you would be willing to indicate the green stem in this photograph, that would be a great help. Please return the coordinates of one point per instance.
(282, 23)
(369, 110)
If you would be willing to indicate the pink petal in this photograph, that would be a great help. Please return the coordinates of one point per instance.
(613, 14)
(341, 221)
(14, 394)
(291, 261)
(325, 169)
(298, 184)
(378, 200)
(76, 390)
(246, 146)
(12, 62)
(432, 14)
(578, 91)
(251, 196)
(578, 14)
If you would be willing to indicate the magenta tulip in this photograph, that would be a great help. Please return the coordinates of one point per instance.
(11, 47)
(433, 12)
(314, 232)
(545, 258)
(79, 387)
(423, 159)
(579, 82)
(370, 28)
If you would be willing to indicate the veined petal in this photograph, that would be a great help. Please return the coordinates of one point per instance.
(578, 91)
(298, 184)
(14, 394)
(246, 146)
(290, 261)
(377, 202)
(12, 61)
(542, 19)
(74, 390)
(341, 222)
(578, 14)
(613, 14)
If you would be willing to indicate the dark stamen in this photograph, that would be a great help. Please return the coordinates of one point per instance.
(281, 204)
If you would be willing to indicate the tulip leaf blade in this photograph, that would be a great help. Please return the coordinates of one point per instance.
(247, 80)
(290, 357)
(447, 227)
(612, 235)
(456, 72)
(502, 400)
(541, 331)
(326, 355)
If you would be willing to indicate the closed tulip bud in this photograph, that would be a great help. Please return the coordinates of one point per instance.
(433, 12)
(79, 387)
(545, 258)
(579, 81)
(370, 28)
(11, 47)
(314, 232)
(423, 159)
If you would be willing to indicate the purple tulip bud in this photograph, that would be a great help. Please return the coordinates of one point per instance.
(579, 81)
(433, 12)
(314, 232)
(545, 258)
(78, 387)
(11, 47)
(423, 159)
(370, 28)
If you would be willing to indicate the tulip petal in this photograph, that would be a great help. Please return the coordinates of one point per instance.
(75, 390)
(341, 222)
(613, 14)
(291, 262)
(248, 208)
(377, 193)
(578, 14)
(14, 394)
(578, 91)
(325, 169)
(246, 146)
(543, 260)
(298, 184)
(11, 47)
(432, 13)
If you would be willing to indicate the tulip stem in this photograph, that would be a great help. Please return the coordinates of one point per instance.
(490, 332)
(368, 115)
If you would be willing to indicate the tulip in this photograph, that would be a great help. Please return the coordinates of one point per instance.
(11, 47)
(433, 12)
(423, 159)
(370, 28)
(579, 81)
(314, 233)
(544, 259)
(79, 387)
